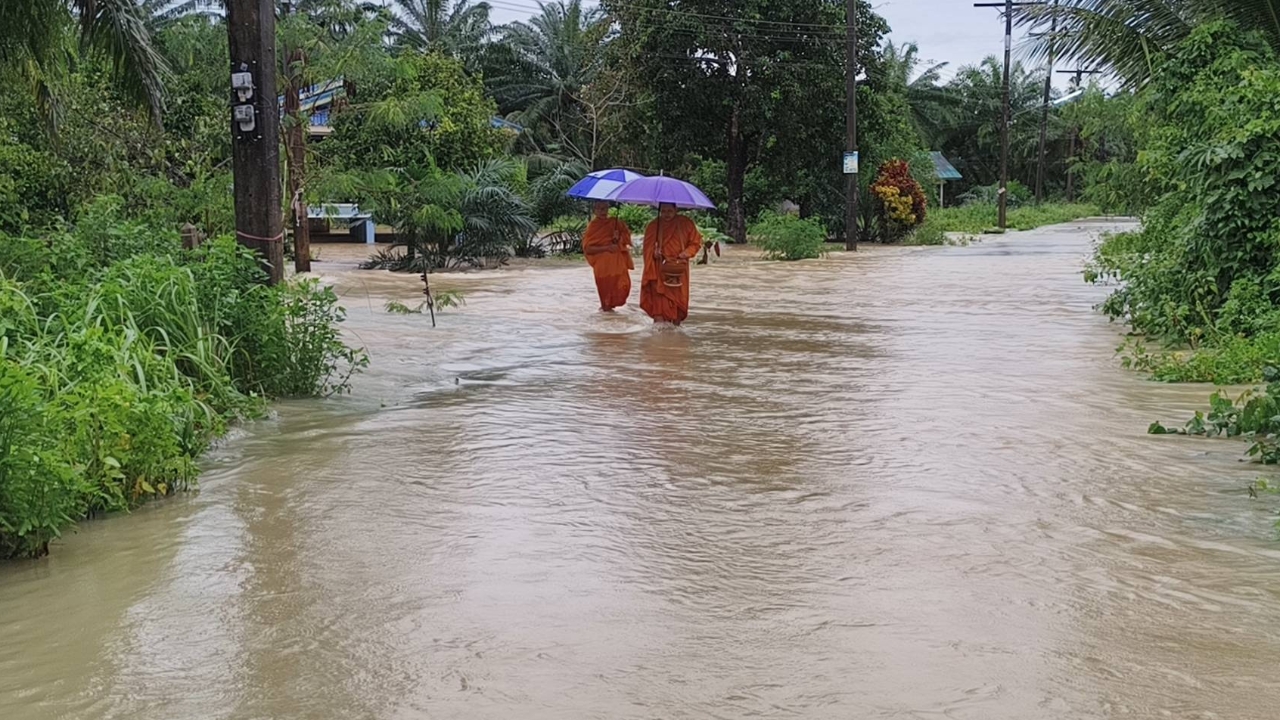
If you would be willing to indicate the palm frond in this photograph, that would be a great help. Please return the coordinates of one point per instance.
(118, 29)
(1128, 37)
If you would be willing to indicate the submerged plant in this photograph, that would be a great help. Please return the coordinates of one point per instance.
(787, 237)
(1255, 416)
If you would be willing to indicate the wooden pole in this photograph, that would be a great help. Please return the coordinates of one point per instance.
(1071, 157)
(255, 147)
(1044, 111)
(1004, 117)
(1007, 6)
(851, 122)
(296, 141)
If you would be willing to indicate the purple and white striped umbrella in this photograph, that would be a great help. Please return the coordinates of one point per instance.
(602, 184)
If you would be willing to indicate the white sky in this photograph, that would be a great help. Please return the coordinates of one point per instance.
(951, 31)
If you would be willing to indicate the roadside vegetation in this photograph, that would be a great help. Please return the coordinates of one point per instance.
(1197, 283)
(977, 219)
(123, 356)
(1192, 148)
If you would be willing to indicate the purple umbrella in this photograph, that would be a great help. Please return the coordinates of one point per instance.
(659, 190)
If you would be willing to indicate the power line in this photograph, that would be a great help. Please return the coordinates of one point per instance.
(833, 29)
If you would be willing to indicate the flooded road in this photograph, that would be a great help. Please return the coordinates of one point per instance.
(912, 483)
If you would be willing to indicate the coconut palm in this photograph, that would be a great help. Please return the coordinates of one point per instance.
(932, 107)
(972, 138)
(460, 30)
(539, 72)
(1127, 37)
(35, 33)
(444, 219)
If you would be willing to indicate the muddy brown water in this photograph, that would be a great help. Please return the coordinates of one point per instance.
(902, 484)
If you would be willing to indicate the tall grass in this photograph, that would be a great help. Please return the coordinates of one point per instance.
(119, 364)
(977, 218)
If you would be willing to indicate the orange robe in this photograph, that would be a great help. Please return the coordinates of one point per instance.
(612, 269)
(663, 303)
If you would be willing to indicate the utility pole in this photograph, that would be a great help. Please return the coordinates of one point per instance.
(1008, 6)
(296, 143)
(1078, 77)
(1044, 111)
(255, 130)
(851, 125)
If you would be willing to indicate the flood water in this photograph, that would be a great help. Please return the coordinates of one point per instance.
(911, 483)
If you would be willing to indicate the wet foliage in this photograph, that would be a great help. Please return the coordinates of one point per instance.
(1203, 273)
(1254, 415)
(899, 200)
(787, 237)
(123, 356)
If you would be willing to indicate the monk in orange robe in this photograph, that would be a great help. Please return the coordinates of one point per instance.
(607, 245)
(680, 240)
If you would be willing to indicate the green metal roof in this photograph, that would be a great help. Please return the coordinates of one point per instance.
(943, 167)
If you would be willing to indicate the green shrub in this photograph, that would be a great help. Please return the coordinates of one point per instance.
(38, 489)
(1018, 195)
(313, 359)
(1203, 269)
(114, 380)
(637, 217)
(564, 235)
(33, 187)
(1227, 361)
(930, 233)
(1254, 416)
(787, 237)
(977, 218)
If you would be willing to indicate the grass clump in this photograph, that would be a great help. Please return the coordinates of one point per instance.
(787, 237)
(977, 218)
(122, 357)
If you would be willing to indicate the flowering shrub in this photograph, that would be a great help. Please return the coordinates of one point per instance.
(900, 200)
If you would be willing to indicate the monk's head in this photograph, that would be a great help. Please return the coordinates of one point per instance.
(600, 209)
(666, 211)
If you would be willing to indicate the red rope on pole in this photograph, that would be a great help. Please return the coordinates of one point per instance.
(247, 236)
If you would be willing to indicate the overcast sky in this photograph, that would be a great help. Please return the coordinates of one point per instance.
(951, 31)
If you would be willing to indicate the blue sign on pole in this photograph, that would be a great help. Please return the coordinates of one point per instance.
(851, 163)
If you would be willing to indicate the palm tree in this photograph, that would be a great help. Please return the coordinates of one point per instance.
(972, 137)
(542, 68)
(35, 32)
(432, 26)
(444, 219)
(932, 107)
(1127, 37)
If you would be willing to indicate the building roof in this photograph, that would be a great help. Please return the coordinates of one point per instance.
(943, 168)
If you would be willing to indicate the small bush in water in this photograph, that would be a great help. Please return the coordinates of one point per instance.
(1254, 416)
(787, 237)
